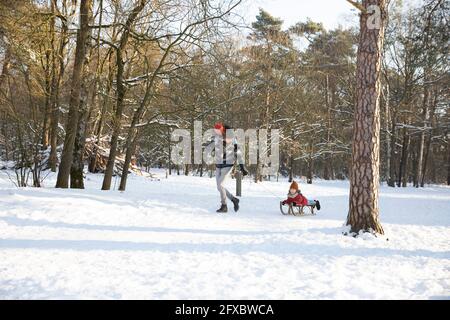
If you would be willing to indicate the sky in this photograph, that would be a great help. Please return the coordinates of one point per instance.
(331, 13)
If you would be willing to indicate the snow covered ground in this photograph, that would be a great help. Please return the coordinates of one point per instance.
(163, 240)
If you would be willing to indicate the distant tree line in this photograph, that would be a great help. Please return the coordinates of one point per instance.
(102, 83)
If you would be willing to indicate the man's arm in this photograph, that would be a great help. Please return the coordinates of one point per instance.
(240, 159)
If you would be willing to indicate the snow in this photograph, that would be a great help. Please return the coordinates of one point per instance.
(161, 239)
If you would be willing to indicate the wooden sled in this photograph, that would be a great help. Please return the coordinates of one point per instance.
(295, 210)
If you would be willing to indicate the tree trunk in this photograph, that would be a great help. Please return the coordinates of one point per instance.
(120, 95)
(403, 160)
(132, 137)
(76, 170)
(388, 134)
(98, 130)
(54, 98)
(328, 165)
(72, 120)
(291, 168)
(169, 146)
(130, 147)
(393, 148)
(364, 182)
(309, 174)
(425, 160)
(6, 65)
(425, 108)
(448, 160)
(47, 72)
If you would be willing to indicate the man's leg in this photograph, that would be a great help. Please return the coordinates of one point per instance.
(220, 187)
(226, 174)
(221, 175)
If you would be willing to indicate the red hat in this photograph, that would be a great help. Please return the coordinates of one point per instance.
(294, 185)
(219, 126)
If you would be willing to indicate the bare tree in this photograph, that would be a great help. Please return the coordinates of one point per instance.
(77, 78)
(120, 92)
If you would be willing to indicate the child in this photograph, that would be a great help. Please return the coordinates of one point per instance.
(296, 198)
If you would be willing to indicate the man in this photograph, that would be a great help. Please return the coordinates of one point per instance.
(225, 163)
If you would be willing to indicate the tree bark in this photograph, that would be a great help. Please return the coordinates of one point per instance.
(309, 175)
(120, 95)
(364, 182)
(76, 170)
(388, 134)
(291, 167)
(403, 160)
(48, 71)
(72, 120)
(448, 159)
(425, 109)
(54, 98)
(429, 140)
(393, 149)
(328, 165)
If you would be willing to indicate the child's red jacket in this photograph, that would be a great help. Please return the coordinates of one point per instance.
(296, 198)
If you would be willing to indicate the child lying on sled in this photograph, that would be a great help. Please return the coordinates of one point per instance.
(296, 198)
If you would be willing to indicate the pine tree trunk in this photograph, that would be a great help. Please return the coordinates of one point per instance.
(72, 120)
(364, 182)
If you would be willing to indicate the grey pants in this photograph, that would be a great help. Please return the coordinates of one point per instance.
(221, 175)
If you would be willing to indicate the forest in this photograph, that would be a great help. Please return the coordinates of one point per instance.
(99, 85)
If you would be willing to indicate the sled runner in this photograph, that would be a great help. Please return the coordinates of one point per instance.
(296, 210)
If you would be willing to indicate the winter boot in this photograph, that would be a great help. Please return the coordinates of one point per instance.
(236, 204)
(317, 204)
(223, 208)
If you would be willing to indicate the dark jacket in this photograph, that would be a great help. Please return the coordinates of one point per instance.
(230, 153)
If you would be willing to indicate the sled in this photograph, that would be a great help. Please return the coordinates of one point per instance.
(296, 210)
